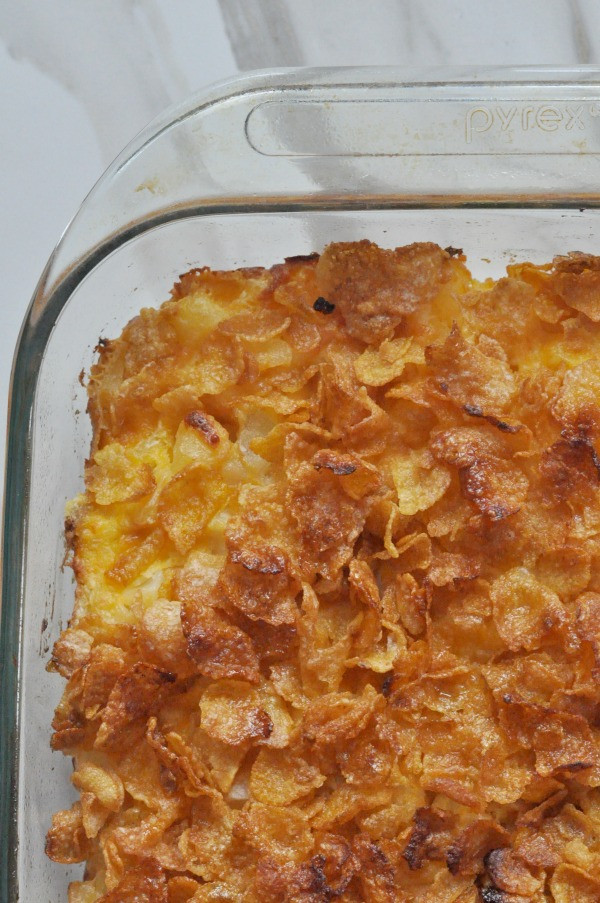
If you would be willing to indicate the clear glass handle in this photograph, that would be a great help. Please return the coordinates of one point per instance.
(555, 120)
(322, 137)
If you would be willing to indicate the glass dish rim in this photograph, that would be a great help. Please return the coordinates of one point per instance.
(45, 307)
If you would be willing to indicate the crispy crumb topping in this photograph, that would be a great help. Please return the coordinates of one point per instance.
(337, 622)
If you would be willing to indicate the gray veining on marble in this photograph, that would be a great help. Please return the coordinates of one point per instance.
(108, 61)
(411, 32)
(258, 31)
(581, 36)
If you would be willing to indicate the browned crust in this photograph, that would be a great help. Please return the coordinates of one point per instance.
(338, 592)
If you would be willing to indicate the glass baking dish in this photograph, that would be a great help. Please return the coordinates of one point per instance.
(502, 163)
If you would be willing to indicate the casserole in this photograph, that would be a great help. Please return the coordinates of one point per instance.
(501, 164)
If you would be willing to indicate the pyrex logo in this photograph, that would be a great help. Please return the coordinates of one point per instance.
(544, 117)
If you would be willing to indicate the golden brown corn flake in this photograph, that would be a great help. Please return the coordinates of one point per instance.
(280, 832)
(576, 405)
(104, 784)
(375, 288)
(476, 377)
(71, 651)
(141, 549)
(526, 614)
(573, 885)
(509, 873)
(205, 844)
(145, 883)
(256, 581)
(180, 765)
(231, 711)
(376, 368)
(222, 759)
(187, 503)
(497, 487)
(338, 717)
(336, 634)
(281, 778)
(218, 648)
(419, 481)
(506, 311)
(575, 279)
(134, 696)
(564, 744)
(67, 840)
(118, 476)
(161, 636)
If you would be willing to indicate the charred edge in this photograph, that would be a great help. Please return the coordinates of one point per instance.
(195, 271)
(388, 682)
(323, 306)
(70, 544)
(493, 863)
(318, 883)
(595, 459)
(503, 426)
(453, 252)
(142, 671)
(274, 565)
(317, 878)
(474, 410)
(582, 440)
(453, 857)
(576, 766)
(262, 726)
(584, 429)
(302, 258)
(200, 422)
(102, 343)
(339, 469)
(490, 859)
(494, 512)
(376, 863)
(493, 895)
(414, 852)
(377, 856)
(550, 806)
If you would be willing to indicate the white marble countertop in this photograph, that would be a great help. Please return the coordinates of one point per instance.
(78, 80)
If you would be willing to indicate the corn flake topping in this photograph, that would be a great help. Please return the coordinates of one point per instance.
(337, 622)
